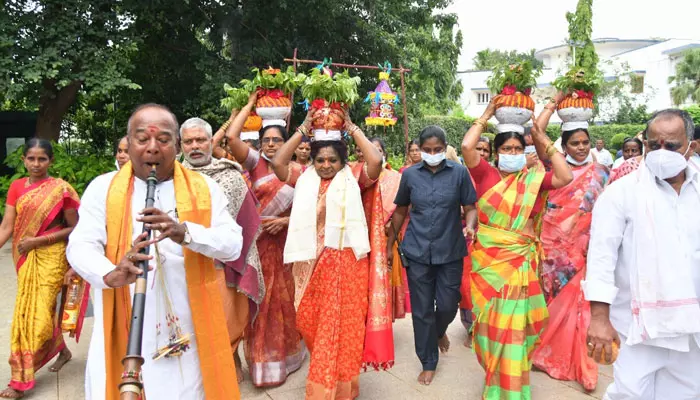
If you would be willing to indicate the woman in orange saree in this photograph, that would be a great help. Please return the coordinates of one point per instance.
(41, 212)
(273, 346)
(566, 225)
(340, 268)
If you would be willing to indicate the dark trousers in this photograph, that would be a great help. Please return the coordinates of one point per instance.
(434, 303)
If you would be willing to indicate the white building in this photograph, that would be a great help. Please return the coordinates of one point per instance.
(651, 62)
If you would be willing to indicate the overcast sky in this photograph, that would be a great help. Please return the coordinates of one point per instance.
(523, 25)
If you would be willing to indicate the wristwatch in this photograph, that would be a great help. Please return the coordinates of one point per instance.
(187, 238)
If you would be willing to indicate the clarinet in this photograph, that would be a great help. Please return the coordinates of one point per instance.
(131, 386)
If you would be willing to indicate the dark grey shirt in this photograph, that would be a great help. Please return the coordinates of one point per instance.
(434, 234)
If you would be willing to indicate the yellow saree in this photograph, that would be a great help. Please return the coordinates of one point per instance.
(36, 333)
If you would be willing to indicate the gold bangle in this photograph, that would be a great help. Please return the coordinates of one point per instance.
(481, 123)
(550, 150)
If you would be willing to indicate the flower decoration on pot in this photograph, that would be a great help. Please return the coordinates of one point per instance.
(330, 96)
(382, 101)
(514, 83)
(273, 86)
(578, 106)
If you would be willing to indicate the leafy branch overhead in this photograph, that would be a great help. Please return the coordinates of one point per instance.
(270, 79)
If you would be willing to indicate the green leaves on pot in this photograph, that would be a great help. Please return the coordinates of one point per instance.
(523, 76)
(579, 78)
(236, 98)
(340, 88)
(286, 81)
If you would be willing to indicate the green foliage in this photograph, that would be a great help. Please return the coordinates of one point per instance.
(630, 114)
(396, 161)
(523, 76)
(340, 88)
(578, 78)
(78, 166)
(236, 98)
(605, 132)
(687, 78)
(694, 112)
(488, 59)
(580, 31)
(42, 62)
(617, 140)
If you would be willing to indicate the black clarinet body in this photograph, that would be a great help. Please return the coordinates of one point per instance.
(131, 385)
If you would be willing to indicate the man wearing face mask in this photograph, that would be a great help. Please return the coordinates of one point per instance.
(643, 279)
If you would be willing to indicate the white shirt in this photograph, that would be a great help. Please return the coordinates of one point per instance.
(611, 251)
(603, 157)
(168, 378)
(618, 162)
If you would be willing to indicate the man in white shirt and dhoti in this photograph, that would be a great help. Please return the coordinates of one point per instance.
(184, 319)
(643, 277)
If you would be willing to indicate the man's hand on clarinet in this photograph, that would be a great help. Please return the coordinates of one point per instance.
(127, 271)
(157, 220)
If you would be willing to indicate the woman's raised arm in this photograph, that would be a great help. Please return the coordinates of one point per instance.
(237, 147)
(281, 160)
(471, 138)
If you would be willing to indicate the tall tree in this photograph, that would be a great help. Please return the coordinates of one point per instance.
(580, 34)
(52, 49)
(687, 78)
(486, 59)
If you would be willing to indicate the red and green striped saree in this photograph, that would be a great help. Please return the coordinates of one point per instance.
(508, 305)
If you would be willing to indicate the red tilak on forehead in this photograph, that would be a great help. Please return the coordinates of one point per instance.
(151, 129)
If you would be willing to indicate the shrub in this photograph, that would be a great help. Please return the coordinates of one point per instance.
(617, 140)
(74, 165)
(694, 112)
(605, 132)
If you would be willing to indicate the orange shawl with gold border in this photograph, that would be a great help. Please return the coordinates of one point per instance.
(193, 204)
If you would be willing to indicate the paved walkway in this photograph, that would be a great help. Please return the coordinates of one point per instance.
(459, 376)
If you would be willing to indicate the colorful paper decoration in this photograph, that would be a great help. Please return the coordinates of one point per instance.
(382, 101)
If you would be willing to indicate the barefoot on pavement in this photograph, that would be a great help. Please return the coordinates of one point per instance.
(426, 377)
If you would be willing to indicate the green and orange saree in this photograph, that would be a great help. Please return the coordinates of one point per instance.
(508, 305)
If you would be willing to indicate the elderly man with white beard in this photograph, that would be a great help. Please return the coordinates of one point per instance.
(643, 276)
(241, 282)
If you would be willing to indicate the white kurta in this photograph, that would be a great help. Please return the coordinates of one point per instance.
(168, 378)
(644, 371)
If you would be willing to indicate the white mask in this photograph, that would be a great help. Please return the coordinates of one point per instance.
(530, 149)
(432, 159)
(265, 157)
(665, 164)
(511, 162)
(573, 161)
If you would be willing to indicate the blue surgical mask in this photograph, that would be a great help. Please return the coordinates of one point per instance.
(511, 162)
(432, 159)
(573, 161)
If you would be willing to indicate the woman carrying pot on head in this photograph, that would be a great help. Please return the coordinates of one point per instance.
(564, 235)
(437, 191)
(273, 347)
(509, 309)
(335, 250)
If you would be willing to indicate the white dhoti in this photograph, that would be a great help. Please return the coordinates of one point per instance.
(645, 372)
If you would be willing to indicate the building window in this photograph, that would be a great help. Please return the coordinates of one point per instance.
(637, 83)
(483, 97)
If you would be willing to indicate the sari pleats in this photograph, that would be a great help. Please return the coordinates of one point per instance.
(508, 306)
(566, 225)
(36, 334)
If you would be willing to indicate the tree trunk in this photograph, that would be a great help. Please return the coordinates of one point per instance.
(53, 105)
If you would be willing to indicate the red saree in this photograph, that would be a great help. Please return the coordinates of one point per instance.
(566, 226)
(273, 348)
(36, 331)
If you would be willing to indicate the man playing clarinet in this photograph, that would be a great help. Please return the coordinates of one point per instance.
(185, 344)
